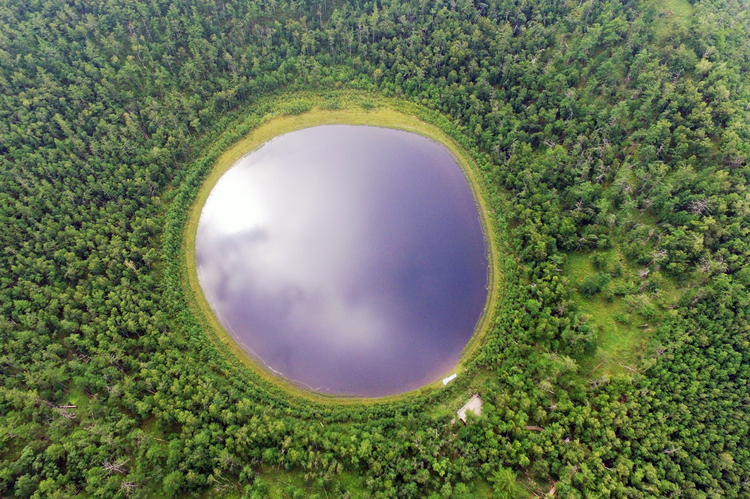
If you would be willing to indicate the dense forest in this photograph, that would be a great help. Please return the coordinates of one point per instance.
(613, 137)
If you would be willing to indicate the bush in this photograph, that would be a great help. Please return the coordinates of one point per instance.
(593, 284)
(600, 261)
(648, 311)
(295, 107)
(622, 318)
(331, 105)
(617, 269)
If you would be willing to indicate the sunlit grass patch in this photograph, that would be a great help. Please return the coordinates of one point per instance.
(671, 15)
(681, 10)
(624, 303)
(279, 483)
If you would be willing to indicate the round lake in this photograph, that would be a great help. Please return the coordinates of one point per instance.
(349, 259)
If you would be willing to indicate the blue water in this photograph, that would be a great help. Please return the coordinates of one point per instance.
(349, 259)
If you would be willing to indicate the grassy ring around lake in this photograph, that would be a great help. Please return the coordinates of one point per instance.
(272, 126)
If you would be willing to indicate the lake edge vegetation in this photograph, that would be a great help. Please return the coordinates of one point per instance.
(608, 131)
(308, 109)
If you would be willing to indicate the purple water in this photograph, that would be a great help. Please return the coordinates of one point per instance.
(350, 259)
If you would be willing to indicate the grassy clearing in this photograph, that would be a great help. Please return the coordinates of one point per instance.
(287, 116)
(283, 484)
(671, 15)
(679, 10)
(292, 485)
(482, 489)
(617, 342)
(624, 314)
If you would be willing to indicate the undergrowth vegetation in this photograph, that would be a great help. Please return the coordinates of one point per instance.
(613, 140)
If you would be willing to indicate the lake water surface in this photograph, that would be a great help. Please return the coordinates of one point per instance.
(350, 259)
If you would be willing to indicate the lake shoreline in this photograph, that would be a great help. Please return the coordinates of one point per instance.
(273, 125)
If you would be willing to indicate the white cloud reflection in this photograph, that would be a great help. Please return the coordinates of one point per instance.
(300, 250)
(235, 206)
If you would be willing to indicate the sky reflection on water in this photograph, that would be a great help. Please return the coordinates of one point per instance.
(349, 258)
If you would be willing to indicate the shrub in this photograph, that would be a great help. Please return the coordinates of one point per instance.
(331, 105)
(593, 284)
(295, 107)
(600, 261)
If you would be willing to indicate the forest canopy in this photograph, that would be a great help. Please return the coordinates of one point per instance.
(613, 139)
